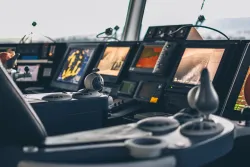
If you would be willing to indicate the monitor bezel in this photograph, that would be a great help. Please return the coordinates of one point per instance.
(202, 45)
(228, 107)
(114, 79)
(69, 86)
(133, 67)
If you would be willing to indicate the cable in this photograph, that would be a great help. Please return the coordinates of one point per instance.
(109, 33)
(27, 36)
(48, 38)
(97, 36)
(110, 38)
(210, 28)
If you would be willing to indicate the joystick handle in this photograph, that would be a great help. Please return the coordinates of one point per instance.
(191, 97)
(206, 98)
(26, 69)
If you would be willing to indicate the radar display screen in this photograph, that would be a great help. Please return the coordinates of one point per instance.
(127, 88)
(31, 76)
(194, 60)
(75, 64)
(113, 60)
(149, 57)
(244, 95)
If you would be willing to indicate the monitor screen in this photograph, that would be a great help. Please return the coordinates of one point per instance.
(26, 77)
(146, 90)
(243, 99)
(74, 66)
(127, 88)
(194, 60)
(112, 60)
(149, 57)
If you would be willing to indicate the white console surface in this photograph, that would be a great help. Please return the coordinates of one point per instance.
(36, 98)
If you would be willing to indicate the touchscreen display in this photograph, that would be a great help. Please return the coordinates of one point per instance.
(196, 59)
(113, 60)
(76, 61)
(147, 90)
(127, 88)
(149, 57)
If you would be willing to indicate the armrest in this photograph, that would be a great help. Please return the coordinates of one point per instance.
(168, 161)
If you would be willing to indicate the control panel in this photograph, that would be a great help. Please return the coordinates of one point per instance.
(149, 91)
(166, 33)
(37, 63)
(144, 85)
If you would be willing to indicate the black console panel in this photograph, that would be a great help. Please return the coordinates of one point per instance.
(156, 83)
(168, 32)
(42, 60)
(165, 92)
(128, 143)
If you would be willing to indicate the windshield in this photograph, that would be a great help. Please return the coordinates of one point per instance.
(62, 20)
(229, 16)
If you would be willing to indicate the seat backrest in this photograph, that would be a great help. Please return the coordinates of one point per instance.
(19, 124)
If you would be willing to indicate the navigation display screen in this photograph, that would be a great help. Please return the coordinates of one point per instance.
(75, 64)
(113, 60)
(244, 95)
(194, 60)
(127, 88)
(32, 74)
(149, 57)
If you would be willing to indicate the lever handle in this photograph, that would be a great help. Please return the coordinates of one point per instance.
(191, 97)
(206, 98)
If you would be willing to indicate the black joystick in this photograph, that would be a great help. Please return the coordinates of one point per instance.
(206, 102)
(26, 69)
(189, 113)
(206, 98)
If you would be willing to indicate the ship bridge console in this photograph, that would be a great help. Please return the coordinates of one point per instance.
(158, 101)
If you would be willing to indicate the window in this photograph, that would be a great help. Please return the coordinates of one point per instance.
(230, 17)
(60, 19)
